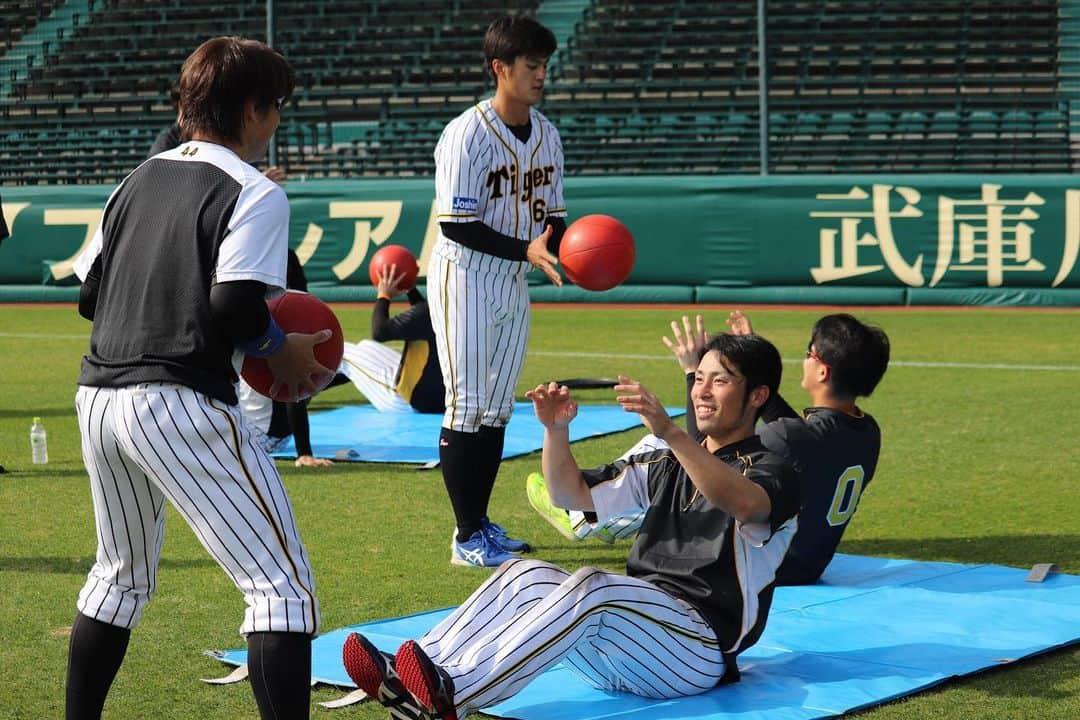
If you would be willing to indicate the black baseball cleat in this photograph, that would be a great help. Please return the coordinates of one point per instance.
(429, 684)
(373, 672)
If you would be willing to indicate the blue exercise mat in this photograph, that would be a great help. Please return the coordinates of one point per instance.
(363, 434)
(871, 631)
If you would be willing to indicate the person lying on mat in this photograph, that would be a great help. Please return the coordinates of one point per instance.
(834, 445)
(699, 578)
(391, 381)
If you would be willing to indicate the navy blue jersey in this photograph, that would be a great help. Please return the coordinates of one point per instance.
(836, 455)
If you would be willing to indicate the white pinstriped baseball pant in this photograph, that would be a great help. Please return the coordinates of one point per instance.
(144, 443)
(480, 314)
(372, 368)
(616, 632)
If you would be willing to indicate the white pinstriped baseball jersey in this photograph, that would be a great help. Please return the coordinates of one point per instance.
(479, 302)
(156, 402)
(483, 172)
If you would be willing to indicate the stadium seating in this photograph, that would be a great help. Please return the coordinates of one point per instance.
(638, 86)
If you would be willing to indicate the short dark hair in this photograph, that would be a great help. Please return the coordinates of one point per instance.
(512, 36)
(857, 353)
(224, 73)
(754, 357)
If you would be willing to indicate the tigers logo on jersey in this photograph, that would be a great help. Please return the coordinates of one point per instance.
(532, 178)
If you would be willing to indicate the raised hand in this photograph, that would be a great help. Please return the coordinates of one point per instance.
(635, 397)
(389, 285)
(687, 346)
(739, 323)
(553, 405)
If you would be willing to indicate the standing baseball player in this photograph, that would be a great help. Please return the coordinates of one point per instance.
(174, 280)
(499, 193)
(397, 382)
(699, 577)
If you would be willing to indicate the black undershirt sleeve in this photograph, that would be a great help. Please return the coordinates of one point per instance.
(88, 292)
(298, 423)
(239, 310)
(294, 273)
(477, 236)
(691, 419)
(558, 229)
(776, 407)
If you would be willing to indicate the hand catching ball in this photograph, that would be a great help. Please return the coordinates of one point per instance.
(407, 268)
(597, 252)
(297, 312)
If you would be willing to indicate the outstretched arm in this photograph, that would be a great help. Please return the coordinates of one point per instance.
(555, 410)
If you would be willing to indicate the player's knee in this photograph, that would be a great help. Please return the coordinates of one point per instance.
(591, 578)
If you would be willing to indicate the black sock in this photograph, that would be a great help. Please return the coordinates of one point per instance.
(95, 653)
(490, 454)
(460, 461)
(279, 668)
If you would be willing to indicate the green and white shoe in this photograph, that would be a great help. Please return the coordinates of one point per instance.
(536, 489)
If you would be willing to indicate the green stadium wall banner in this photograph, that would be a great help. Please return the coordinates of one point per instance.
(845, 239)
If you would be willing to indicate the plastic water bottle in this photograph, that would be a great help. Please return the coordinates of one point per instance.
(39, 446)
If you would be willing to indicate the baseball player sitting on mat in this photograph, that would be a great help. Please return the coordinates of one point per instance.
(173, 280)
(499, 198)
(834, 445)
(699, 581)
(397, 382)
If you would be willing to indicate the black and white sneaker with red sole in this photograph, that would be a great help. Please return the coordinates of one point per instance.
(373, 672)
(428, 684)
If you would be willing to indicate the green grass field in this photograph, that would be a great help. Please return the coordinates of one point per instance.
(979, 418)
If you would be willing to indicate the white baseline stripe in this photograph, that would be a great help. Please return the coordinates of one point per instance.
(794, 361)
(668, 358)
(44, 336)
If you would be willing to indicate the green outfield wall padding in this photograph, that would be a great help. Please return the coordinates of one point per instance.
(621, 294)
(38, 293)
(822, 238)
(1069, 297)
(803, 295)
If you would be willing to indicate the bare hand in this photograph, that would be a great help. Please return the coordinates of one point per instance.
(687, 347)
(389, 282)
(739, 323)
(537, 253)
(295, 368)
(275, 174)
(311, 461)
(553, 406)
(635, 397)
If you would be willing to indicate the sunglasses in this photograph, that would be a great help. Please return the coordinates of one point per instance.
(280, 103)
(811, 353)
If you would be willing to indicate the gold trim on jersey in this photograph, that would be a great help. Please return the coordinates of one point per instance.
(278, 532)
(414, 357)
(513, 154)
(448, 339)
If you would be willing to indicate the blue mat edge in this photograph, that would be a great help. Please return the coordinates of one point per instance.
(288, 449)
(237, 657)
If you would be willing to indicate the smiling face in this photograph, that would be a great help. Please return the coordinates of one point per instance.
(521, 82)
(722, 407)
